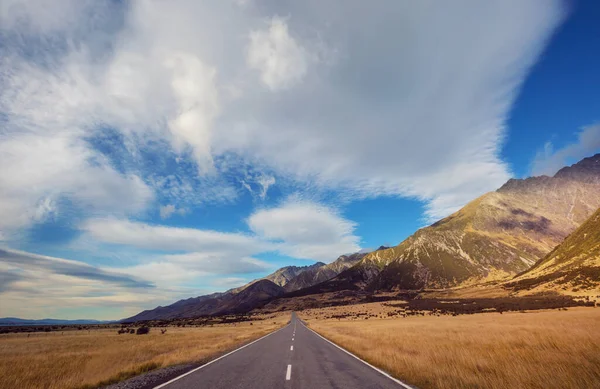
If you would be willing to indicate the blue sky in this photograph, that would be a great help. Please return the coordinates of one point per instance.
(161, 150)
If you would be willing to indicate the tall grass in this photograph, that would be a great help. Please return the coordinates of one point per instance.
(78, 359)
(549, 349)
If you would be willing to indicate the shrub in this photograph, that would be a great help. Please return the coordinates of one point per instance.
(142, 331)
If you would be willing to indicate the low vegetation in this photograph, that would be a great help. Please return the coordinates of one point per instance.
(542, 349)
(90, 358)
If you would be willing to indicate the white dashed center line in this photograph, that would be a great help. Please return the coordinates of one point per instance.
(291, 348)
(288, 375)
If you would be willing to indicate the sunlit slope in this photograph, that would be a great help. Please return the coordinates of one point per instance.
(499, 234)
(320, 274)
(573, 266)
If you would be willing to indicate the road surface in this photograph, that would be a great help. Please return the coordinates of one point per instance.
(293, 357)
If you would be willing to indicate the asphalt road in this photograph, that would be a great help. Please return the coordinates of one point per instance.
(291, 358)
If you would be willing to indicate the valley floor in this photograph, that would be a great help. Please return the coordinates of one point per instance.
(541, 349)
(88, 359)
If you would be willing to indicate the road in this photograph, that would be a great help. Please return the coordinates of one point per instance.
(293, 357)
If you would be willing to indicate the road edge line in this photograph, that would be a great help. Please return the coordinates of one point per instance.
(404, 385)
(215, 360)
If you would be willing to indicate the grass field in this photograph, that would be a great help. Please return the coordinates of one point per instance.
(543, 349)
(80, 359)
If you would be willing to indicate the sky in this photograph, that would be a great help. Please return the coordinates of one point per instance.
(158, 150)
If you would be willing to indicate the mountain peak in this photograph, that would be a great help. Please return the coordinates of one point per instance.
(585, 171)
(589, 166)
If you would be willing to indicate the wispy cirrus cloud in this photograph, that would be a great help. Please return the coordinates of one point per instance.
(75, 269)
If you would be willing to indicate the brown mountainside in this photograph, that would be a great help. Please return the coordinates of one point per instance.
(572, 267)
(252, 296)
(499, 234)
(320, 274)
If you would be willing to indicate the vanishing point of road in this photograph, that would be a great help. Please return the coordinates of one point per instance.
(293, 357)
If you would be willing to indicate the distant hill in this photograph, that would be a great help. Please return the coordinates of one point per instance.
(498, 235)
(252, 295)
(572, 267)
(14, 321)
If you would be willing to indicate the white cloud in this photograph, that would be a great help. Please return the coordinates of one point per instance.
(193, 85)
(166, 211)
(35, 170)
(306, 230)
(36, 286)
(413, 103)
(265, 183)
(163, 273)
(400, 106)
(549, 161)
(230, 282)
(24, 260)
(300, 229)
(218, 262)
(156, 237)
(280, 60)
(258, 184)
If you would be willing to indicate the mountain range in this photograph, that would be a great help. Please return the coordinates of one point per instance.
(516, 230)
(252, 295)
(495, 236)
(15, 321)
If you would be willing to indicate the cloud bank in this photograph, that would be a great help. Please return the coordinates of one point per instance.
(413, 103)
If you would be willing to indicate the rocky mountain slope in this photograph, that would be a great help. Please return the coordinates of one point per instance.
(497, 235)
(572, 267)
(283, 276)
(251, 297)
(323, 273)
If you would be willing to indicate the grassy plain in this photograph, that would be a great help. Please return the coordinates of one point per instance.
(542, 349)
(87, 359)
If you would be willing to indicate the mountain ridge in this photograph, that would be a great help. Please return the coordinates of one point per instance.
(494, 237)
(497, 235)
(241, 299)
(15, 321)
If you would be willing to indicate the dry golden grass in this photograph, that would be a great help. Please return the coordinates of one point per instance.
(543, 349)
(78, 359)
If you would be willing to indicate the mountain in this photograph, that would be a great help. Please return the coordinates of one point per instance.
(572, 267)
(499, 234)
(252, 296)
(14, 321)
(247, 297)
(235, 300)
(319, 274)
(283, 275)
